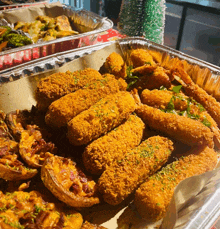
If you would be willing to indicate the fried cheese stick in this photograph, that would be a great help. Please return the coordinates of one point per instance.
(67, 107)
(178, 103)
(183, 129)
(133, 168)
(100, 118)
(59, 84)
(152, 198)
(103, 151)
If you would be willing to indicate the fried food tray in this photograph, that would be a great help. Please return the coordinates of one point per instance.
(198, 211)
(88, 24)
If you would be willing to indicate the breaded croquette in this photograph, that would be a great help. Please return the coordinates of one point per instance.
(183, 129)
(103, 151)
(61, 111)
(153, 197)
(140, 57)
(178, 103)
(59, 84)
(133, 168)
(115, 65)
(100, 118)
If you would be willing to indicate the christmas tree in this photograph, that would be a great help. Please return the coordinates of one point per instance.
(143, 18)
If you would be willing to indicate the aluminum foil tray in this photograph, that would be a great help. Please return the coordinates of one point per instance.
(89, 24)
(205, 207)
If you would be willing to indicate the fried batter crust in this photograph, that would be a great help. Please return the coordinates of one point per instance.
(133, 168)
(59, 84)
(64, 109)
(103, 151)
(100, 118)
(186, 130)
(153, 197)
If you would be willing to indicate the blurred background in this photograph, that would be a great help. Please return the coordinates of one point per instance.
(191, 26)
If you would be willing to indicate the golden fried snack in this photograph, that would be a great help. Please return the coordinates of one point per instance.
(153, 197)
(68, 183)
(178, 103)
(133, 168)
(103, 151)
(100, 118)
(87, 225)
(115, 65)
(7, 147)
(59, 84)
(140, 57)
(28, 210)
(4, 131)
(33, 148)
(183, 129)
(67, 107)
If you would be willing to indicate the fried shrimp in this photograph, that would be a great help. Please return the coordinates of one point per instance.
(59, 84)
(199, 94)
(178, 103)
(67, 107)
(133, 168)
(100, 118)
(153, 197)
(140, 57)
(183, 129)
(115, 65)
(103, 151)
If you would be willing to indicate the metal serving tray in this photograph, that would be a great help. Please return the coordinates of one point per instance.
(91, 26)
(205, 206)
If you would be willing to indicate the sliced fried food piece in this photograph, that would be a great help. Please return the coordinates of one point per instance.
(33, 148)
(68, 183)
(103, 151)
(115, 65)
(7, 147)
(177, 103)
(64, 109)
(4, 131)
(28, 210)
(12, 169)
(196, 92)
(183, 129)
(100, 118)
(153, 197)
(59, 84)
(140, 57)
(87, 225)
(125, 175)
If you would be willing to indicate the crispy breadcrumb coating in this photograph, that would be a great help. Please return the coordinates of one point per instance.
(133, 168)
(103, 151)
(67, 107)
(140, 57)
(153, 197)
(115, 65)
(183, 129)
(100, 118)
(59, 84)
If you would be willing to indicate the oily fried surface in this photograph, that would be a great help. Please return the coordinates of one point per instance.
(128, 172)
(183, 129)
(64, 109)
(154, 196)
(103, 151)
(59, 84)
(100, 118)
(87, 225)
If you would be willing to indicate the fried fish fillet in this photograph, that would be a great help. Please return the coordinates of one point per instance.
(153, 197)
(100, 118)
(133, 168)
(67, 107)
(59, 84)
(183, 129)
(103, 151)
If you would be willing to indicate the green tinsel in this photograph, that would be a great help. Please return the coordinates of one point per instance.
(143, 18)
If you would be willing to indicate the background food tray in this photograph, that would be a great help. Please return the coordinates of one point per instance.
(12, 6)
(91, 26)
(202, 210)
